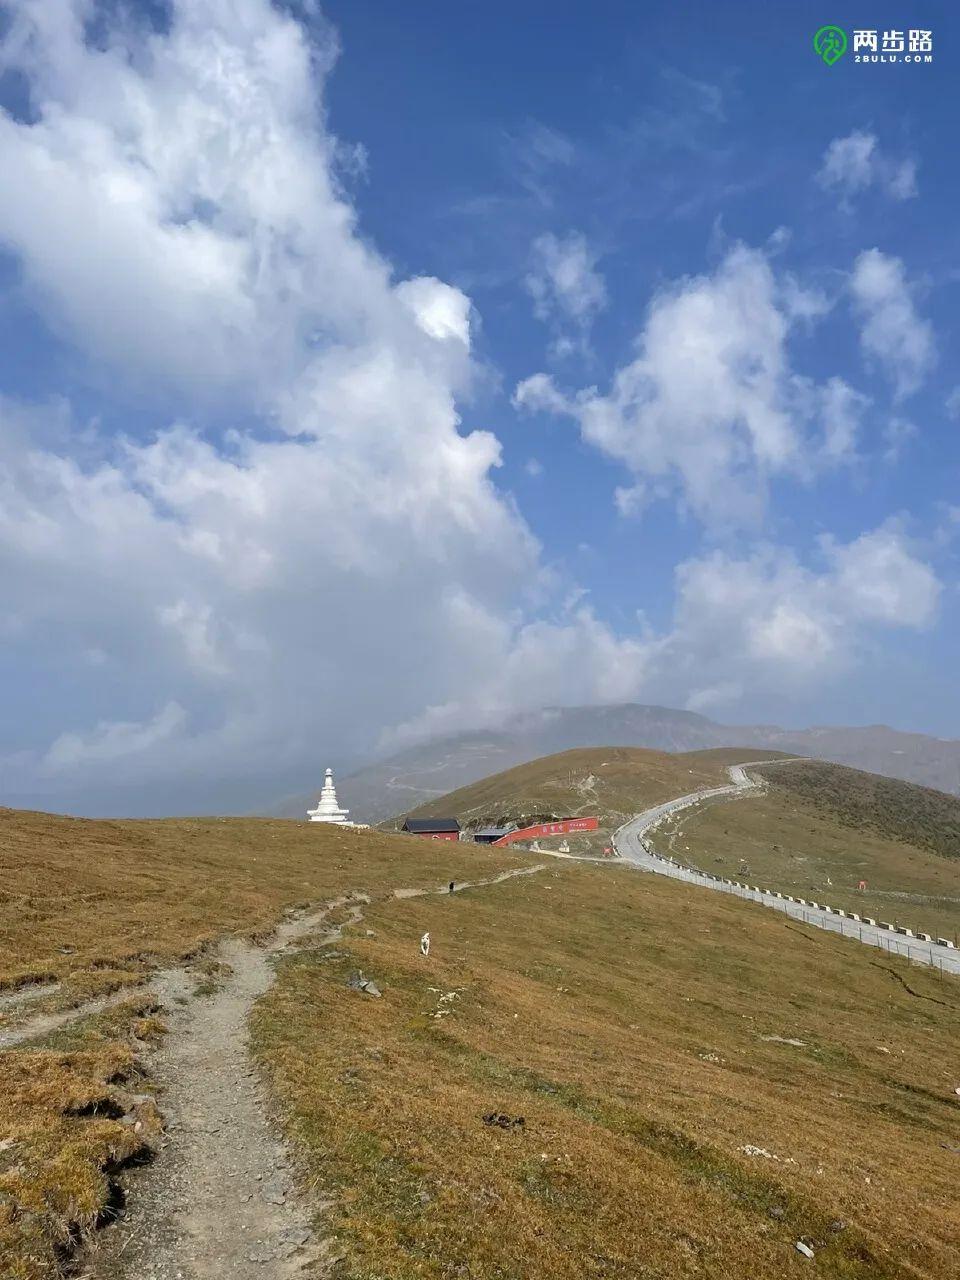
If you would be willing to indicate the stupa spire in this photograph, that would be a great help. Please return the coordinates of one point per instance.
(327, 809)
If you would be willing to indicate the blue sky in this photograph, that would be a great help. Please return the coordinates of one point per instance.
(371, 372)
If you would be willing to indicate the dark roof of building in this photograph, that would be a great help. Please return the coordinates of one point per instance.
(430, 824)
(493, 833)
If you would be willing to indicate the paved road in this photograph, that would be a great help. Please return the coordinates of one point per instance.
(631, 844)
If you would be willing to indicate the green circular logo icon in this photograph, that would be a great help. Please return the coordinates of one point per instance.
(830, 43)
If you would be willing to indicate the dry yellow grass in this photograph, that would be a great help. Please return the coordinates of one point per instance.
(97, 906)
(612, 782)
(622, 1016)
(70, 1113)
(85, 902)
(638, 1027)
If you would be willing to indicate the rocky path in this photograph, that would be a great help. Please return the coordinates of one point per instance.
(41, 1024)
(220, 1202)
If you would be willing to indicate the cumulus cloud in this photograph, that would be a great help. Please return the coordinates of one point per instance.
(710, 407)
(175, 208)
(566, 288)
(767, 621)
(757, 623)
(853, 164)
(441, 311)
(213, 603)
(892, 334)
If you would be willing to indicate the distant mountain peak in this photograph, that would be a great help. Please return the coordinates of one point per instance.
(410, 777)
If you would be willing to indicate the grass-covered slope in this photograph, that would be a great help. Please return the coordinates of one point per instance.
(612, 782)
(601, 1073)
(80, 899)
(819, 829)
(644, 1030)
(91, 908)
(919, 816)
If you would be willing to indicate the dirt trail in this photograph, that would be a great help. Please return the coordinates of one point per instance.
(41, 1024)
(220, 1201)
(26, 994)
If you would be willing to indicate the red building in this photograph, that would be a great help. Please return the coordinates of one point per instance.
(433, 828)
(562, 827)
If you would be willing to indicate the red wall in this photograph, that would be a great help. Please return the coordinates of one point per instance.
(562, 828)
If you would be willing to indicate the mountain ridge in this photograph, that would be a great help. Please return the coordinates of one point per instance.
(412, 776)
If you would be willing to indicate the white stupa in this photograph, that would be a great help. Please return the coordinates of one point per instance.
(327, 809)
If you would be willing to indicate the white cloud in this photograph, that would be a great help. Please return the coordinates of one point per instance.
(896, 434)
(892, 333)
(878, 579)
(631, 500)
(225, 603)
(576, 654)
(566, 288)
(111, 741)
(841, 410)
(710, 407)
(441, 311)
(710, 699)
(953, 403)
(176, 208)
(767, 622)
(177, 215)
(856, 162)
(751, 624)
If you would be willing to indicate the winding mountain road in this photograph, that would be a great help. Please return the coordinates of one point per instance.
(630, 843)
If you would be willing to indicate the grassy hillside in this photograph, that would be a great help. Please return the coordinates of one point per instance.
(612, 782)
(819, 829)
(604, 1073)
(735, 755)
(91, 908)
(701, 1082)
(919, 816)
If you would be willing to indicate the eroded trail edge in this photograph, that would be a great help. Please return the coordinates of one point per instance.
(220, 1201)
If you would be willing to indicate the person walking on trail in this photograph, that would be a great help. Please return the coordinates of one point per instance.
(451, 886)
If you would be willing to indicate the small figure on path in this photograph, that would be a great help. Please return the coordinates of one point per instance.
(425, 945)
(451, 886)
